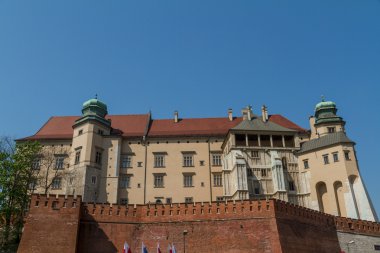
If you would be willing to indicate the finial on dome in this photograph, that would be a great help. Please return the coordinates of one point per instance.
(323, 98)
(96, 96)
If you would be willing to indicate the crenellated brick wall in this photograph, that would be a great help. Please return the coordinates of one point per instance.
(233, 226)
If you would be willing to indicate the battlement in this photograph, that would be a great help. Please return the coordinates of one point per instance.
(349, 225)
(178, 212)
(59, 203)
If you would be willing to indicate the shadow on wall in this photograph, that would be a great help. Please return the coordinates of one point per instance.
(93, 239)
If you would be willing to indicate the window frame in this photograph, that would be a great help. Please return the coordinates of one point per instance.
(159, 160)
(335, 157)
(56, 183)
(216, 160)
(188, 180)
(125, 181)
(326, 159)
(218, 179)
(187, 160)
(158, 183)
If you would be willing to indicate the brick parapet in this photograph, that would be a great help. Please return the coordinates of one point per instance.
(363, 227)
(177, 212)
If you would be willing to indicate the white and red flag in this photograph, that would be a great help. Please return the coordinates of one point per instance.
(126, 248)
(158, 248)
(173, 249)
(170, 249)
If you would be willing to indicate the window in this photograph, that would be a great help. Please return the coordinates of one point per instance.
(263, 172)
(188, 180)
(126, 161)
(219, 198)
(168, 200)
(331, 130)
(240, 140)
(289, 141)
(306, 164)
(93, 179)
(124, 201)
(347, 155)
(36, 164)
(218, 179)
(159, 160)
(80, 132)
(256, 187)
(77, 157)
(158, 201)
(188, 160)
(265, 141)
(56, 184)
(253, 140)
(139, 164)
(158, 181)
(335, 157)
(216, 160)
(202, 163)
(189, 200)
(100, 132)
(277, 141)
(255, 154)
(59, 162)
(98, 157)
(125, 181)
(326, 159)
(291, 186)
(32, 185)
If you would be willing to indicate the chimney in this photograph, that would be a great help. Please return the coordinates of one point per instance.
(264, 113)
(230, 117)
(247, 113)
(176, 116)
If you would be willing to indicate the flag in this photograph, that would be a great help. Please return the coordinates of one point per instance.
(143, 248)
(126, 248)
(158, 248)
(173, 249)
(170, 249)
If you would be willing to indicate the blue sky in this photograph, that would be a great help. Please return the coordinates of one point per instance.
(198, 57)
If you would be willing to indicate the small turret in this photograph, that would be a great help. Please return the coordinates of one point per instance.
(94, 109)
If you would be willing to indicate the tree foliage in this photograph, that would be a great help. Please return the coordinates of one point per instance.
(16, 176)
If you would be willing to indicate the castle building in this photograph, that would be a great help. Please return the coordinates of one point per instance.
(137, 160)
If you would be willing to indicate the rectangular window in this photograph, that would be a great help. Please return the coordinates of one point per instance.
(218, 179)
(217, 160)
(36, 164)
(277, 141)
(100, 132)
(331, 129)
(202, 163)
(158, 181)
(289, 141)
(98, 157)
(125, 181)
(168, 200)
(188, 180)
(159, 161)
(326, 159)
(77, 157)
(59, 162)
(126, 161)
(291, 186)
(80, 132)
(265, 140)
(347, 155)
(306, 164)
(240, 140)
(139, 164)
(56, 184)
(93, 179)
(188, 160)
(335, 157)
(219, 198)
(124, 201)
(263, 172)
(255, 154)
(256, 187)
(189, 200)
(253, 140)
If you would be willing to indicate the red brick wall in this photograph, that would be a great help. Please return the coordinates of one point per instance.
(243, 226)
(51, 225)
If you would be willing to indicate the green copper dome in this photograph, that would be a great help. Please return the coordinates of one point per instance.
(325, 104)
(94, 107)
(325, 112)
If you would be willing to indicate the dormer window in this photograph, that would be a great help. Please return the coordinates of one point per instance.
(331, 130)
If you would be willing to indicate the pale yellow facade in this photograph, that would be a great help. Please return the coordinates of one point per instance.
(256, 159)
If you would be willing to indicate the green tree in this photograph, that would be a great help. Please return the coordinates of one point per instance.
(16, 181)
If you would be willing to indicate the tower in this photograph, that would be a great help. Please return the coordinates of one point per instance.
(329, 160)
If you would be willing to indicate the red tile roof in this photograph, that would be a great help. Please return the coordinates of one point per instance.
(60, 127)
(192, 127)
(282, 121)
